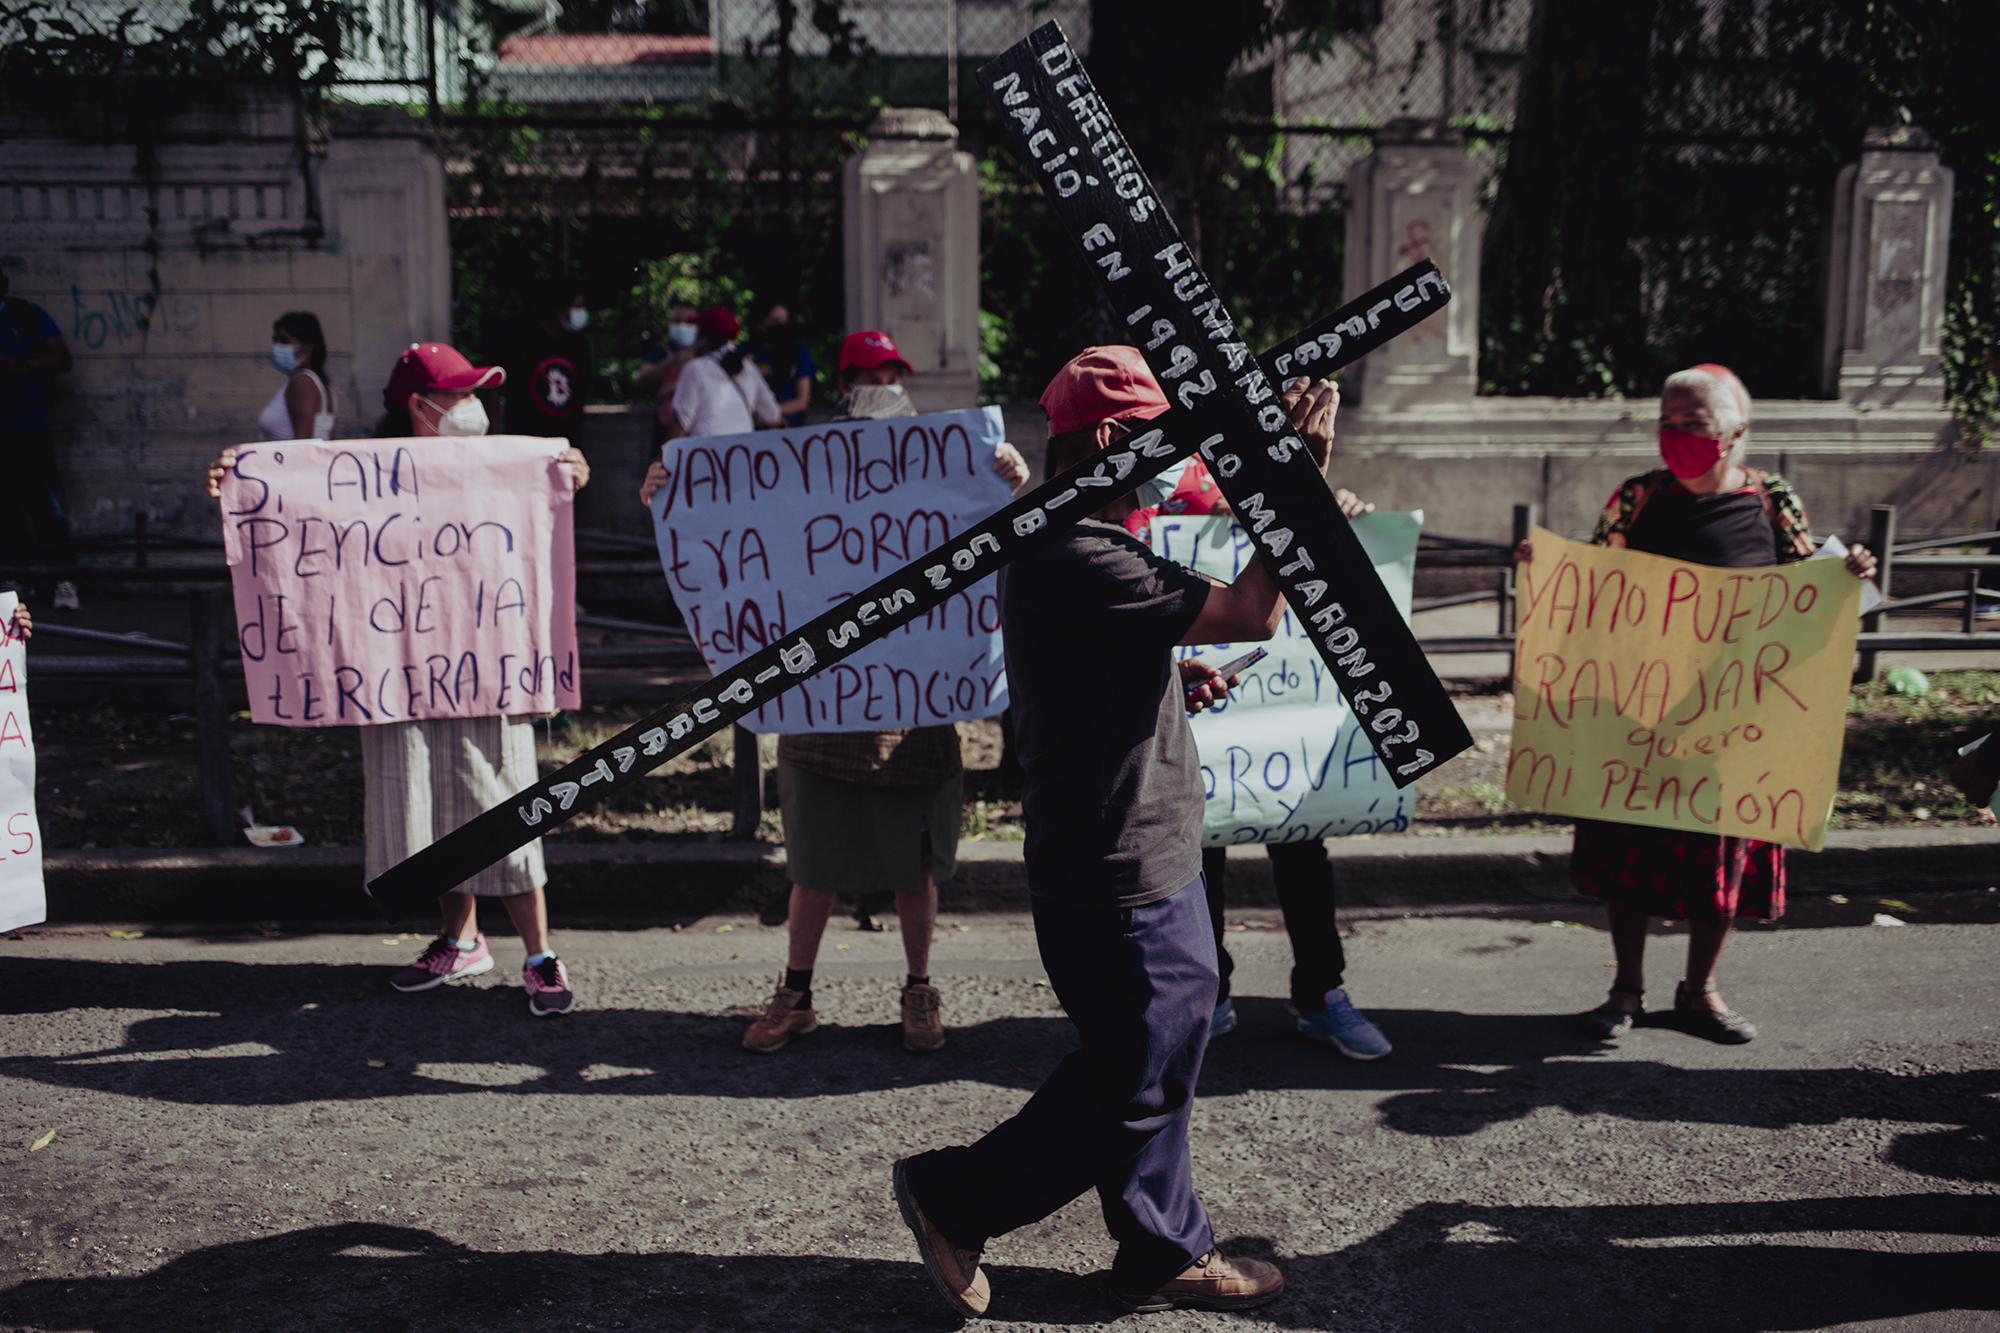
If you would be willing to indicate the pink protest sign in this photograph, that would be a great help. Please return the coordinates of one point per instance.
(395, 580)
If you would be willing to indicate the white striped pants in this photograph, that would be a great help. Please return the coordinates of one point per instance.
(424, 779)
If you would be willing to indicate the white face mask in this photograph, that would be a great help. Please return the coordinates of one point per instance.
(1154, 491)
(465, 417)
(872, 401)
(681, 335)
(578, 318)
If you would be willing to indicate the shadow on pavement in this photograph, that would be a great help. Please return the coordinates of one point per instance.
(281, 1034)
(1718, 1267)
(365, 1275)
(1456, 1074)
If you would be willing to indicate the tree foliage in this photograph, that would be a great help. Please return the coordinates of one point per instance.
(1668, 187)
(291, 43)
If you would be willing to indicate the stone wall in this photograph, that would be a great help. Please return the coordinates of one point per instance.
(1467, 467)
(164, 268)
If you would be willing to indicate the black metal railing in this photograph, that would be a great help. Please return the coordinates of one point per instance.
(209, 663)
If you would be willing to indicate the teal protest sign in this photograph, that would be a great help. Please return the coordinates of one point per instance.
(1286, 760)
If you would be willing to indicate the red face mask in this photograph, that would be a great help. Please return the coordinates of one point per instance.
(1688, 455)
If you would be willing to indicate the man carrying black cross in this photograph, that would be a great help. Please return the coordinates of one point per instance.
(1113, 801)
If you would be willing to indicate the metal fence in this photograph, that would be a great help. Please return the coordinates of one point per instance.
(211, 665)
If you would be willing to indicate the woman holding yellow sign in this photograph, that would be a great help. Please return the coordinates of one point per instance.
(1704, 507)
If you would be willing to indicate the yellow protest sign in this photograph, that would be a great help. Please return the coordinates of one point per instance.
(1655, 691)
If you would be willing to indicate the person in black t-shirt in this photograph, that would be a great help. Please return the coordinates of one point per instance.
(1113, 800)
(548, 368)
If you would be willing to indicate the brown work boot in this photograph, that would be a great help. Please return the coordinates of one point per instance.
(782, 1020)
(1213, 1282)
(923, 1025)
(954, 1272)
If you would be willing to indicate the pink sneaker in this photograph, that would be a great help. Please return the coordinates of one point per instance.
(548, 987)
(443, 961)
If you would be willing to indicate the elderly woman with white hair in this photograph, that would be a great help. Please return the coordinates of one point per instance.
(1707, 507)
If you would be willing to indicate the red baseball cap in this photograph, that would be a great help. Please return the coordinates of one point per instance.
(719, 323)
(1102, 384)
(865, 349)
(428, 366)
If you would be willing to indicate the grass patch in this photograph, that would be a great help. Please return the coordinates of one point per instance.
(1892, 772)
(113, 773)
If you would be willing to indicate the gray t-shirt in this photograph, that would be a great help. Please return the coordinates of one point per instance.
(1113, 791)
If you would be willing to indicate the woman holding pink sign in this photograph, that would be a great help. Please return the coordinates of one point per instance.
(425, 778)
(1705, 507)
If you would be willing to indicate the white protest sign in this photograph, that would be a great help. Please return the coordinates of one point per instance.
(22, 900)
(760, 533)
(1284, 759)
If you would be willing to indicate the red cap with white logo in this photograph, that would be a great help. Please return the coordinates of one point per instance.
(428, 366)
(866, 349)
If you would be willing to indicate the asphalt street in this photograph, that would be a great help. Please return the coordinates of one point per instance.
(253, 1132)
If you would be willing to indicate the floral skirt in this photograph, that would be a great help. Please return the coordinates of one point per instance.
(1691, 876)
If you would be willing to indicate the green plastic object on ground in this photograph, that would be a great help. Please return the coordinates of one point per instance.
(1909, 681)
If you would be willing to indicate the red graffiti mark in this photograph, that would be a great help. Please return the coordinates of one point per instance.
(1416, 241)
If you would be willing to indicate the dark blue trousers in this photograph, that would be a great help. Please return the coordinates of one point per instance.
(1140, 985)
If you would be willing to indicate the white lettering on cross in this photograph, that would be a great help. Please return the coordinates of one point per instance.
(1119, 216)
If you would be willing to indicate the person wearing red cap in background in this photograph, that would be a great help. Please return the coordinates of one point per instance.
(870, 356)
(1300, 871)
(1112, 794)
(1707, 508)
(865, 809)
(721, 391)
(421, 779)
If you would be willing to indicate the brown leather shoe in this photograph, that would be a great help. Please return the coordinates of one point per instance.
(923, 1024)
(781, 1020)
(1213, 1282)
(954, 1272)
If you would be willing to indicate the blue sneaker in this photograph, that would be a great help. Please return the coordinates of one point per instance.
(1345, 1028)
(1224, 1021)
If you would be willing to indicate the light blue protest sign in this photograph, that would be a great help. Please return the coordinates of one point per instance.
(1284, 760)
(759, 533)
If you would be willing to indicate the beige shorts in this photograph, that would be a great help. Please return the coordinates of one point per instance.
(424, 779)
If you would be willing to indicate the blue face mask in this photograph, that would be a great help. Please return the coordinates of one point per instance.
(1153, 491)
(285, 357)
(578, 318)
(681, 334)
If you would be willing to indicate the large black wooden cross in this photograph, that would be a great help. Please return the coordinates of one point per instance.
(1227, 408)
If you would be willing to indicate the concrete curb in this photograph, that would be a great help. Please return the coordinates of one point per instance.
(636, 884)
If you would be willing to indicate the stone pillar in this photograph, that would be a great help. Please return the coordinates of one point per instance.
(1885, 286)
(912, 239)
(382, 192)
(1417, 197)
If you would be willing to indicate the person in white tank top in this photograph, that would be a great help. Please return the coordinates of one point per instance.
(302, 408)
